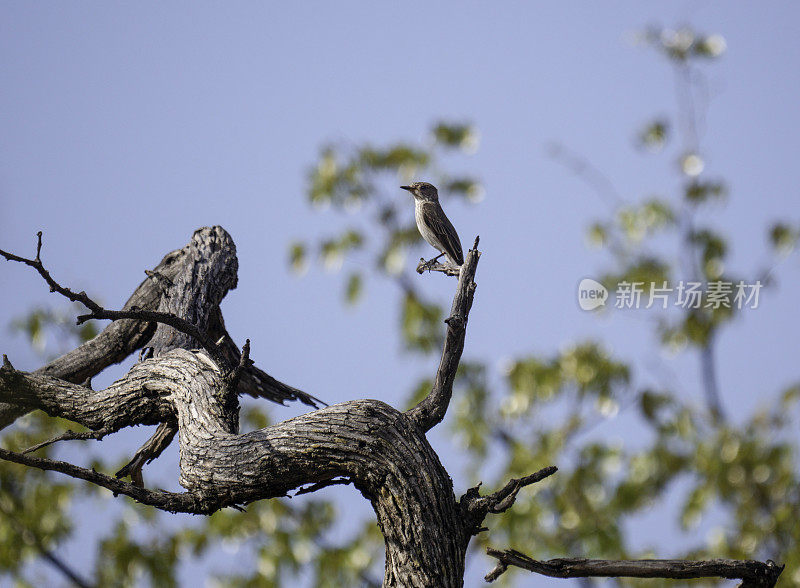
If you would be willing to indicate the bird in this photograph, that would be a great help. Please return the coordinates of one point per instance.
(433, 224)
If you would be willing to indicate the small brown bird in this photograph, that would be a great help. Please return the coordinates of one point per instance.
(432, 223)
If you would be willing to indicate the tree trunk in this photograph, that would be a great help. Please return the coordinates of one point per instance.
(383, 452)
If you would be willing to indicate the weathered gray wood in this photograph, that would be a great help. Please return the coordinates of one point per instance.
(123, 337)
(754, 573)
(380, 450)
(431, 410)
(385, 455)
(116, 342)
(383, 452)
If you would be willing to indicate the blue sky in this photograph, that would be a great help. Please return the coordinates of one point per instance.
(124, 127)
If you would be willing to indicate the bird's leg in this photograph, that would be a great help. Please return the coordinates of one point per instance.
(429, 264)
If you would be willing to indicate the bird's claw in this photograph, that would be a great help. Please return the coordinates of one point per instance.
(428, 265)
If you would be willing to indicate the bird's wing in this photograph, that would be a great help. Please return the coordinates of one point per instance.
(434, 217)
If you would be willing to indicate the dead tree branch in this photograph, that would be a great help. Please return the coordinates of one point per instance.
(70, 436)
(98, 312)
(383, 452)
(185, 387)
(125, 336)
(475, 507)
(431, 410)
(753, 573)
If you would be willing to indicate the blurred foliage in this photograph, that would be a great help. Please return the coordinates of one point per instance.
(545, 410)
(52, 333)
(541, 410)
(654, 135)
(34, 505)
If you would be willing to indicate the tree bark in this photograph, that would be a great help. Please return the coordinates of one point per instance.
(383, 452)
(190, 380)
(166, 281)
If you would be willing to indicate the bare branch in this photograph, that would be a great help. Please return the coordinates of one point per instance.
(164, 318)
(431, 410)
(753, 573)
(475, 507)
(130, 401)
(120, 338)
(98, 312)
(71, 436)
(54, 286)
(504, 498)
(125, 335)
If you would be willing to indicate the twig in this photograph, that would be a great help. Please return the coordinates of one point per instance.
(152, 316)
(431, 409)
(753, 573)
(475, 507)
(504, 498)
(232, 377)
(325, 484)
(72, 436)
(54, 286)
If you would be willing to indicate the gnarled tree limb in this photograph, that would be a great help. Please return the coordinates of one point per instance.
(124, 336)
(387, 457)
(382, 451)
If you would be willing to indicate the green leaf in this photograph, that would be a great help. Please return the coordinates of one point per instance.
(698, 192)
(460, 136)
(783, 237)
(297, 257)
(354, 288)
(654, 135)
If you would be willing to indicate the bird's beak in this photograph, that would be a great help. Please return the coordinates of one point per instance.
(409, 188)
